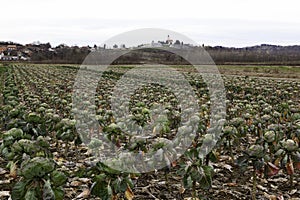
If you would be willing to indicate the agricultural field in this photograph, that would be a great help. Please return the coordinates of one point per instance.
(42, 155)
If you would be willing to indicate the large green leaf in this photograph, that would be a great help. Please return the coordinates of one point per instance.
(8, 140)
(129, 182)
(187, 181)
(37, 167)
(206, 180)
(102, 167)
(58, 178)
(27, 145)
(196, 173)
(100, 177)
(16, 147)
(256, 151)
(67, 135)
(109, 191)
(48, 193)
(59, 193)
(95, 143)
(102, 190)
(31, 195)
(42, 142)
(242, 162)
(14, 132)
(33, 118)
(19, 190)
(117, 184)
(7, 154)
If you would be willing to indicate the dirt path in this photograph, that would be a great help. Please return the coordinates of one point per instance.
(276, 72)
(265, 77)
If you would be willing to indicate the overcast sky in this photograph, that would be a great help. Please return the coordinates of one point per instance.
(212, 22)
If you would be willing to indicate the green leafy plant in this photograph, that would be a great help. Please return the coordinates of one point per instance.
(256, 157)
(66, 131)
(39, 180)
(110, 183)
(114, 134)
(9, 137)
(288, 157)
(230, 135)
(194, 170)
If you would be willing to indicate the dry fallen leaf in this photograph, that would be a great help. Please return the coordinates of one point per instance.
(13, 170)
(75, 183)
(129, 194)
(262, 188)
(293, 191)
(297, 165)
(174, 163)
(4, 182)
(181, 190)
(4, 194)
(84, 194)
(290, 168)
(280, 197)
(228, 167)
(272, 169)
(277, 161)
(231, 184)
(2, 171)
(270, 197)
(114, 197)
(84, 180)
(274, 186)
(278, 180)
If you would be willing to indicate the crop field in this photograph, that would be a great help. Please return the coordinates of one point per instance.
(43, 155)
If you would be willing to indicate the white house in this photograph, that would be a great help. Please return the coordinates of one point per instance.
(24, 58)
(156, 44)
(9, 58)
(169, 40)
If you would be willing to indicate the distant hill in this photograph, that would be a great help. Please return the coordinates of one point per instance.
(261, 54)
(269, 54)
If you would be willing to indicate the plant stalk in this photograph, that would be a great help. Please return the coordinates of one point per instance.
(194, 190)
(291, 180)
(231, 154)
(254, 185)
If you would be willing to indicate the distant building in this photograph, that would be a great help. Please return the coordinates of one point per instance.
(19, 53)
(9, 58)
(2, 49)
(24, 58)
(122, 46)
(169, 40)
(11, 47)
(27, 51)
(156, 44)
(181, 46)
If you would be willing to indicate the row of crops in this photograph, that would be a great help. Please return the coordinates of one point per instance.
(44, 153)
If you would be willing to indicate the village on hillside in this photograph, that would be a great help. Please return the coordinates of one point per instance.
(10, 51)
(45, 53)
